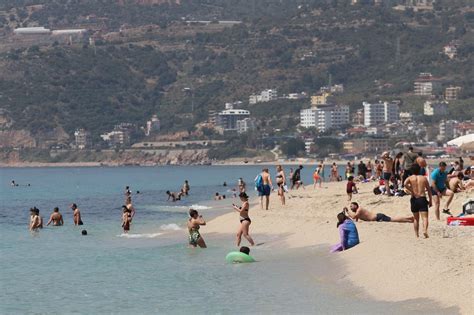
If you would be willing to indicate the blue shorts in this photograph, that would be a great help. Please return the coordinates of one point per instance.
(264, 191)
(387, 176)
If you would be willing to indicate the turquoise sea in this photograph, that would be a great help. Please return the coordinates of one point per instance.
(151, 270)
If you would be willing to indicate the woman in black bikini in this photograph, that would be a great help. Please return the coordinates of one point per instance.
(244, 219)
(281, 182)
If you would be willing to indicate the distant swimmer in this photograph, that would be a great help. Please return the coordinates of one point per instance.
(56, 218)
(358, 212)
(186, 188)
(418, 186)
(244, 219)
(76, 215)
(128, 195)
(225, 184)
(126, 219)
(84, 232)
(174, 196)
(14, 184)
(36, 221)
(194, 223)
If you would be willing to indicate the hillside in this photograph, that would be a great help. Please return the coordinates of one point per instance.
(145, 54)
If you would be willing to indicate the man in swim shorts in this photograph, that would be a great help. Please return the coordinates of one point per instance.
(265, 189)
(76, 215)
(358, 212)
(56, 218)
(387, 171)
(417, 186)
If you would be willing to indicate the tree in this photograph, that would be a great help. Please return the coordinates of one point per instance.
(293, 147)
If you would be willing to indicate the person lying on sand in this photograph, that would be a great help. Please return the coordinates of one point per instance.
(358, 212)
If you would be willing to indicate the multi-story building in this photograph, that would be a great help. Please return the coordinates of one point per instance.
(245, 125)
(363, 145)
(380, 113)
(117, 137)
(227, 119)
(152, 126)
(320, 98)
(450, 51)
(82, 139)
(425, 84)
(212, 117)
(446, 130)
(264, 96)
(324, 118)
(431, 108)
(452, 93)
(406, 117)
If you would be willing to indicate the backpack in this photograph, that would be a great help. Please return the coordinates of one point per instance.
(259, 183)
(468, 207)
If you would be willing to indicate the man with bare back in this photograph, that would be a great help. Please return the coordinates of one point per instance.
(358, 212)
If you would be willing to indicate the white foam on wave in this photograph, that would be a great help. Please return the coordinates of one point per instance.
(145, 235)
(170, 227)
(200, 207)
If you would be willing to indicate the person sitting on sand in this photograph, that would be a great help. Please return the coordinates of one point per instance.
(456, 183)
(126, 219)
(76, 215)
(351, 188)
(358, 212)
(56, 218)
(244, 219)
(174, 196)
(417, 186)
(194, 223)
(347, 232)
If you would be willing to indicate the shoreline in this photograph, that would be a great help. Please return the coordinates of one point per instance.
(389, 264)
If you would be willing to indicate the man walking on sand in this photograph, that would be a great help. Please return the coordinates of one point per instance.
(365, 215)
(409, 159)
(439, 179)
(264, 186)
(387, 171)
(417, 186)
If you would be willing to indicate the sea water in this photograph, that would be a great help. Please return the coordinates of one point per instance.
(151, 270)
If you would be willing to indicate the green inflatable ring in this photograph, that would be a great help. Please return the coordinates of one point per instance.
(238, 257)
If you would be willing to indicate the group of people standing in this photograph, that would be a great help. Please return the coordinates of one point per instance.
(56, 218)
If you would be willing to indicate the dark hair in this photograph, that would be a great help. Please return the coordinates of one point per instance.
(415, 169)
(223, 196)
(341, 217)
(355, 204)
(193, 213)
(377, 191)
(126, 187)
(74, 206)
(301, 166)
(56, 209)
(243, 195)
(217, 194)
(410, 148)
(84, 232)
(441, 164)
(245, 250)
(420, 153)
(168, 192)
(399, 155)
(350, 178)
(460, 175)
(124, 208)
(37, 211)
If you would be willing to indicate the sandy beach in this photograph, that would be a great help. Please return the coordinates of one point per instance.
(390, 263)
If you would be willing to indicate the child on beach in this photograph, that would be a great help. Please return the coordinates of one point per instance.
(347, 232)
(351, 188)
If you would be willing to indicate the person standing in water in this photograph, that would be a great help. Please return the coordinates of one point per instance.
(264, 187)
(126, 219)
(36, 221)
(244, 219)
(281, 182)
(128, 195)
(56, 218)
(417, 186)
(186, 188)
(76, 215)
(194, 223)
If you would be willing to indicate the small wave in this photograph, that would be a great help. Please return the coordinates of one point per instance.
(200, 207)
(170, 227)
(145, 235)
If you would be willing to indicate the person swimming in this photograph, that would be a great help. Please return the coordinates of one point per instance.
(194, 223)
(56, 218)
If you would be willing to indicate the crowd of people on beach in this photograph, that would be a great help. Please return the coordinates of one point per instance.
(401, 174)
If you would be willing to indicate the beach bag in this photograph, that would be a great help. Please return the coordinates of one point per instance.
(259, 183)
(468, 207)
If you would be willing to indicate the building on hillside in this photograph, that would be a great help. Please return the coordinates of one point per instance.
(406, 117)
(464, 128)
(358, 117)
(32, 31)
(336, 88)
(116, 137)
(245, 125)
(152, 126)
(365, 145)
(320, 98)
(380, 113)
(212, 117)
(450, 51)
(264, 96)
(426, 84)
(296, 96)
(308, 145)
(452, 93)
(82, 139)
(433, 108)
(446, 130)
(324, 118)
(227, 119)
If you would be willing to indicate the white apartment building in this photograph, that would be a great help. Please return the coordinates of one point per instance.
(380, 113)
(435, 108)
(264, 96)
(446, 130)
(245, 125)
(452, 93)
(324, 118)
(425, 84)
